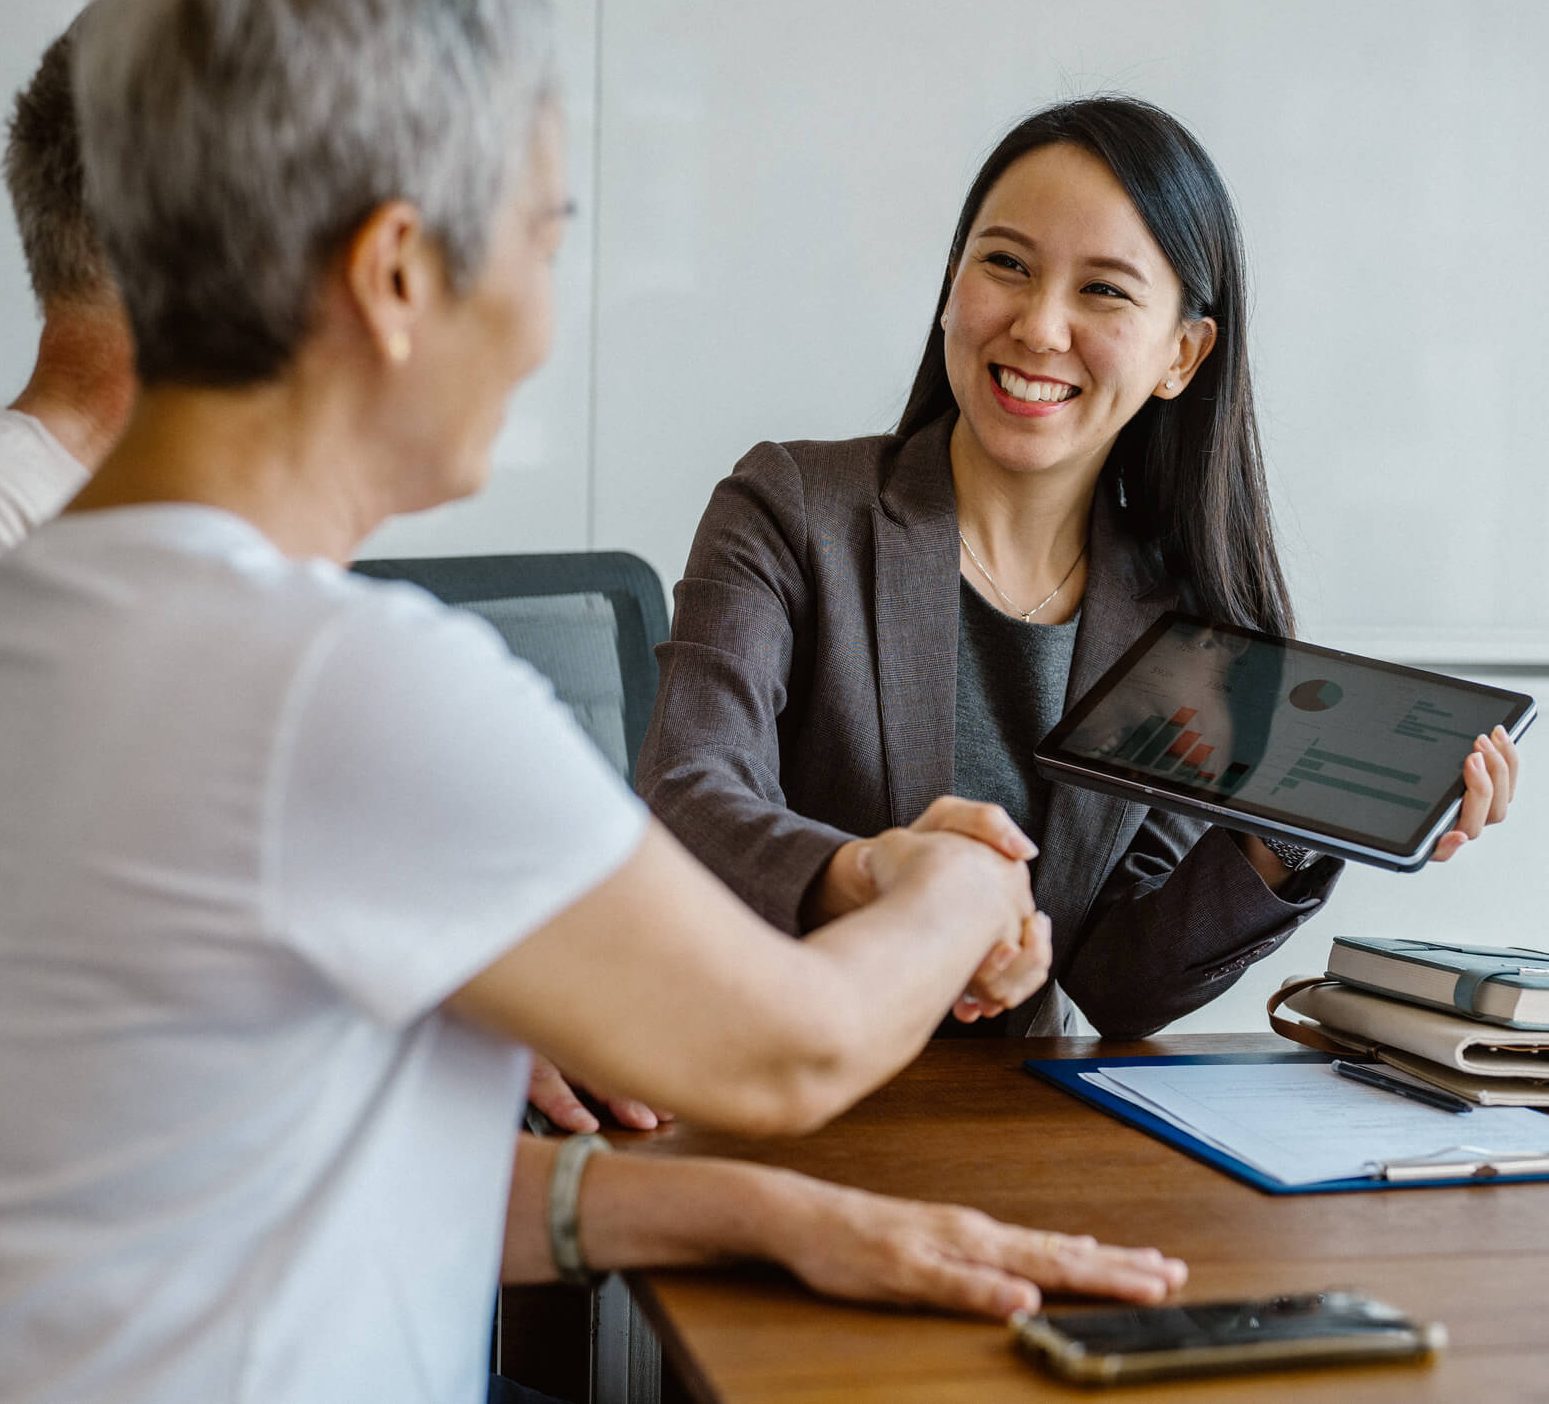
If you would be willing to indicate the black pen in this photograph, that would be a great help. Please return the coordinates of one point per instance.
(1371, 1076)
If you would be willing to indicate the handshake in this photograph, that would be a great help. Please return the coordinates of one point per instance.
(972, 857)
(960, 867)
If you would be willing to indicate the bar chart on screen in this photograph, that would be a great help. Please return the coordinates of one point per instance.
(1353, 776)
(1169, 745)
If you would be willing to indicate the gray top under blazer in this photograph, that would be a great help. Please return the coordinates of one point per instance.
(807, 697)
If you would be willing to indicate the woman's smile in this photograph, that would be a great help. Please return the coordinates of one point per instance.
(1031, 396)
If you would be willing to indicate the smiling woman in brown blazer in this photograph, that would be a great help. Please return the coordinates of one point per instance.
(864, 626)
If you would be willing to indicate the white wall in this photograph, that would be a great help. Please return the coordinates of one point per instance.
(766, 194)
(779, 188)
(25, 31)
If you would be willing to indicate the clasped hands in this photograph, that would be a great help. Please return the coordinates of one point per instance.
(979, 848)
(960, 850)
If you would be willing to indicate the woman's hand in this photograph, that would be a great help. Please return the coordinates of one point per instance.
(1012, 967)
(867, 1247)
(846, 882)
(994, 986)
(1489, 785)
(1009, 974)
(550, 1092)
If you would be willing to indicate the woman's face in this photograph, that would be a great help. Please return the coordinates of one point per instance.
(1064, 317)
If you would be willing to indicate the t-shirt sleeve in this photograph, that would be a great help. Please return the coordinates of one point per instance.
(37, 477)
(431, 803)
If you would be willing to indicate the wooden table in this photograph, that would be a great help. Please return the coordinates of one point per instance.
(966, 1123)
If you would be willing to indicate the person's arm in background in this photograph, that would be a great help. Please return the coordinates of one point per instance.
(1189, 908)
(640, 1212)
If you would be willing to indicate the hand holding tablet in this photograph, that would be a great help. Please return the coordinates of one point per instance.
(1347, 755)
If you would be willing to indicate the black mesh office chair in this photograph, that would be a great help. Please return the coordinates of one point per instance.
(589, 621)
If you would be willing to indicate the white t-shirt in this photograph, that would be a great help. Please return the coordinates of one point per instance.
(37, 476)
(258, 818)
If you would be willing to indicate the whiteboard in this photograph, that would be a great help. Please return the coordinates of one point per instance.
(780, 187)
(765, 203)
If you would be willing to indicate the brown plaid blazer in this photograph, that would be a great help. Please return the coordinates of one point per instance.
(807, 696)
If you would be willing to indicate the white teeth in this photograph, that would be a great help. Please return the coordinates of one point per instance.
(1042, 391)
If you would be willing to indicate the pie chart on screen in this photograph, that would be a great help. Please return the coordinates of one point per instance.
(1316, 695)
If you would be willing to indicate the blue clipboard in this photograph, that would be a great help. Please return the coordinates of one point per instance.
(1065, 1073)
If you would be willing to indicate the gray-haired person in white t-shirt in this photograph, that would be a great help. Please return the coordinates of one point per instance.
(82, 384)
(298, 865)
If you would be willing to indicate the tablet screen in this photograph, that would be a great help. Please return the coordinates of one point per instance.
(1325, 741)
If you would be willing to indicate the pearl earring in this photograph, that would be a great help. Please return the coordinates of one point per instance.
(398, 347)
(1171, 383)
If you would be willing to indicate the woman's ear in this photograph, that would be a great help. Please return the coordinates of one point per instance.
(1196, 339)
(946, 292)
(391, 271)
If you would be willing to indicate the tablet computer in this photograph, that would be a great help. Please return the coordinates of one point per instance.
(1347, 755)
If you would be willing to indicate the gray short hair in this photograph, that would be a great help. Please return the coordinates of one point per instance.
(233, 146)
(43, 175)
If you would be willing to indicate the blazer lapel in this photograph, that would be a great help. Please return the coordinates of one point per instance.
(1084, 832)
(916, 605)
(915, 543)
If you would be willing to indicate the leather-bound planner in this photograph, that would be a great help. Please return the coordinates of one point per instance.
(1507, 985)
(1372, 1022)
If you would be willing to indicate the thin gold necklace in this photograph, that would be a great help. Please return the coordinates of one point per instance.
(1025, 615)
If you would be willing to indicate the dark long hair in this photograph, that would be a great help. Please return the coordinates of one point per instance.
(1190, 470)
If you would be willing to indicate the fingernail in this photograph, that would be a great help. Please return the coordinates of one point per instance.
(1013, 1298)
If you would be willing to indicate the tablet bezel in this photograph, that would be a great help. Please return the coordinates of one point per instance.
(1162, 792)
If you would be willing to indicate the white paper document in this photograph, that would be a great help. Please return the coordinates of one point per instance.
(1302, 1123)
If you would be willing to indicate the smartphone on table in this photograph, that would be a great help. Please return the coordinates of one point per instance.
(1124, 1344)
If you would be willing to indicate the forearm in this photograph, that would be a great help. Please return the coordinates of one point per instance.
(738, 825)
(1163, 947)
(902, 960)
(676, 977)
(635, 1211)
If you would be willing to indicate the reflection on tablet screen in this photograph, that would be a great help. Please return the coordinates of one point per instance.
(1316, 739)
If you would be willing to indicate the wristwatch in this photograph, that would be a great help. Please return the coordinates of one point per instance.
(1293, 858)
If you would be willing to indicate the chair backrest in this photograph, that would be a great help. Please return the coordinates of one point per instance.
(589, 621)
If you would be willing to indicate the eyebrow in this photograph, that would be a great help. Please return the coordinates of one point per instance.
(1118, 265)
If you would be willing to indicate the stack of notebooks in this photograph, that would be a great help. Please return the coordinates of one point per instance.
(1471, 1019)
